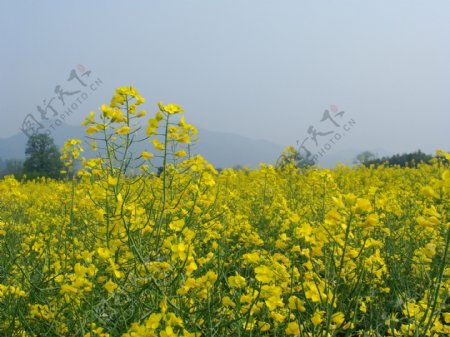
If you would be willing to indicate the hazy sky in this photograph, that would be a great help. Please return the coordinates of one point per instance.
(264, 69)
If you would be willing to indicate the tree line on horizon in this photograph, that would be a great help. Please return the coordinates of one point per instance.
(412, 159)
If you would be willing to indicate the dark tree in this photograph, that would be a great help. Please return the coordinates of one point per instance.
(13, 167)
(364, 157)
(403, 160)
(42, 158)
(160, 171)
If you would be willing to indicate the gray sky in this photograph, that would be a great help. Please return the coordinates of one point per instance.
(264, 69)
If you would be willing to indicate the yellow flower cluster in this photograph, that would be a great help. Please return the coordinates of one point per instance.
(120, 250)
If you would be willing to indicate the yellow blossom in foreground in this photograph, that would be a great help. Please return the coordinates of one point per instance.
(237, 281)
(147, 155)
(103, 253)
(116, 249)
(429, 192)
(110, 286)
(170, 108)
(181, 153)
(157, 144)
(112, 181)
(316, 319)
(293, 329)
(124, 130)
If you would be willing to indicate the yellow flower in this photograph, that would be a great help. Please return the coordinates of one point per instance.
(147, 155)
(362, 307)
(251, 257)
(41, 311)
(338, 318)
(124, 130)
(184, 139)
(163, 305)
(293, 329)
(157, 144)
(181, 153)
(112, 181)
(332, 216)
(90, 119)
(92, 129)
(170, 108)
(429, 192)
(316, 319)
(168, 332)
(363, 205)
(103, 253)
(314, 293)
(182, 122)
(429, 222)
(2, 231)
(226, 301)
(110, 286)
(264, 274)
(277, 316)
(179, 251)
(263, 326)
(68, 289)
(114, 269)
(153, 321)
(142, 113)
(446, 317)
(106, 110)
(371, 220)
(150, 131)
(99, 214)
(153, 122)
(295, 303)
(237, 281)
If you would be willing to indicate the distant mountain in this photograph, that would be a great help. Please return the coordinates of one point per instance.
(13, 147)
(220, 149)
(228, 149)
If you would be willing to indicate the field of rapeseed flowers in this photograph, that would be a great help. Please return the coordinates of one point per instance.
(117, 250)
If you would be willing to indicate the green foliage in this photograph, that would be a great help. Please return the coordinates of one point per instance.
(403, 160)
(12, 167)
(42, 158)
(365, 157)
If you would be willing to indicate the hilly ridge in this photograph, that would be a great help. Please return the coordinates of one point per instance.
(219, 148)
